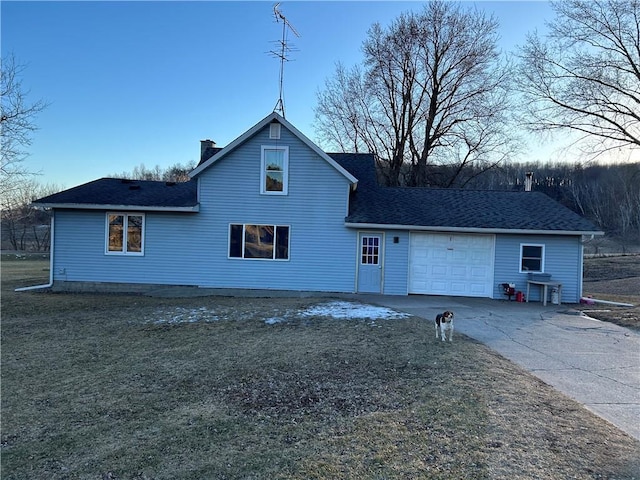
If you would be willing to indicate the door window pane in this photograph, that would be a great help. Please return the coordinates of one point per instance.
(370, 252)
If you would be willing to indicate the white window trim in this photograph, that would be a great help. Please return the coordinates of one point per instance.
(543, 254)
(263, 170)
(125, 229)
(273, 259)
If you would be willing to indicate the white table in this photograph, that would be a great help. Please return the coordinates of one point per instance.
(544, 286)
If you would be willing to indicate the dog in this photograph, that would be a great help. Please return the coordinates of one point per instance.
(444, 322)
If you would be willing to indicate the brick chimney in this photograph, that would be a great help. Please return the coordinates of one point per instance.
(204, 146)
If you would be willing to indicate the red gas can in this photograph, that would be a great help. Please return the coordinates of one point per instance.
(519, 297)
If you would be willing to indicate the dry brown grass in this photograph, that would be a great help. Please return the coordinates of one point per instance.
(616, 279)
(93, 388)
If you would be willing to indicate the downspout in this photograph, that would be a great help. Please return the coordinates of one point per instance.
(51, 248)
(581, 270)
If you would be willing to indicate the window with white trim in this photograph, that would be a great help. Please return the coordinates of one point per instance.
(274, 176)
(124, 234)
(370, 250)
(267, 242)
(531, 258)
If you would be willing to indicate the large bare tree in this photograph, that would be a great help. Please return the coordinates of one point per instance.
(430, 98)
(584, 75)
(16, 125)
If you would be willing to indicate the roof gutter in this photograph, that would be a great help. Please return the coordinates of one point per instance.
(50, 284)
(421, 228)
(136, 208)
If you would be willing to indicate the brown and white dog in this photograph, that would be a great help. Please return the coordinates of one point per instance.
(444, 322)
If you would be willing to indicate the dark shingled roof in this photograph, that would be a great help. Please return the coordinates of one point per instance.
(369, 204)
(453, 208)
(135, 193)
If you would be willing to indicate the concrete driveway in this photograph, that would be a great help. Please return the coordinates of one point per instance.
(595, 363)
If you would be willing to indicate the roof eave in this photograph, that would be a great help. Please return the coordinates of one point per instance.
(513, 231)
(125, 208)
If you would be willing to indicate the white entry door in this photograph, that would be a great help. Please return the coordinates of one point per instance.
(451, 264)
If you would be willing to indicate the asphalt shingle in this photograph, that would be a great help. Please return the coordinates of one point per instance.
(137, 193)
(453, 208)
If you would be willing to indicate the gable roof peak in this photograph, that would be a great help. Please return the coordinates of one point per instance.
(273, 116)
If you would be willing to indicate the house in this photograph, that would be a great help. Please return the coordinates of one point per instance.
(273, 211)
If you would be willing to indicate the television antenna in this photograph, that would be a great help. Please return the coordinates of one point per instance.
(282, 53)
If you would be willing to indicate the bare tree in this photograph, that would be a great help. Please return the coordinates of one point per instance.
(584, 76)
(16, 125)
(175, 173)
(23, 226)
(430, 99)
(610, 196)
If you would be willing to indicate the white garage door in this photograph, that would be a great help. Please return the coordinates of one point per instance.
(451, 264)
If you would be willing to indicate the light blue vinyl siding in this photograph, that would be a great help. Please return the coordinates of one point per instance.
(563, 260)
(322, 254)
(80, 250)
(193, 248)
(396, 268)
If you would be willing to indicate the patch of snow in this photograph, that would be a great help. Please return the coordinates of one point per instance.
(349, 310)
(340, 310)
(274, 320)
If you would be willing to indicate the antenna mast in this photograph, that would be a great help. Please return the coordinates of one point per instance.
(282, 53)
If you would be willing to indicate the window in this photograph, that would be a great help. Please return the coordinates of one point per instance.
(275, 170)
(270, 242)
(370, 252)
(125, 234)
(274, 130)
(531, 258)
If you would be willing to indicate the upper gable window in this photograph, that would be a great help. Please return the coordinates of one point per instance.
(125, 234)
(275, 170)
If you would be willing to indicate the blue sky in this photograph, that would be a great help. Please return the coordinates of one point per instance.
(143, 82)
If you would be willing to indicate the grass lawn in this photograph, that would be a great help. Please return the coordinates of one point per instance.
(131, 387)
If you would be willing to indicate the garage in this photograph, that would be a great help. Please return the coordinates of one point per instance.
(451, 264)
